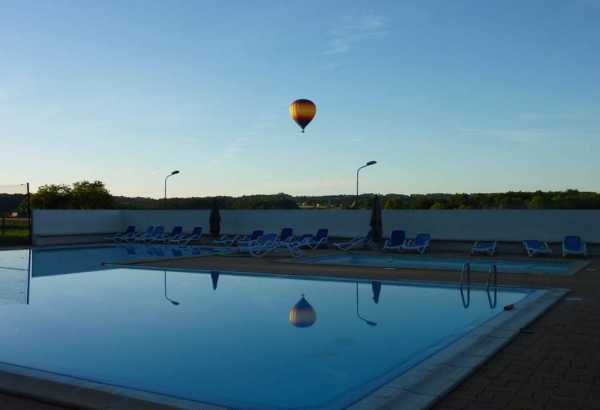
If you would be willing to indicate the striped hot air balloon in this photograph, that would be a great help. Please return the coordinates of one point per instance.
(303, 111)
(302, 314)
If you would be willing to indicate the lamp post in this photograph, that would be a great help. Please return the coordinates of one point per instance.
(166, 178)
(368, 164)
(368, 322)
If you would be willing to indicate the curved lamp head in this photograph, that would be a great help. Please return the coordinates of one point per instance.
(175, 172)
(368, 164)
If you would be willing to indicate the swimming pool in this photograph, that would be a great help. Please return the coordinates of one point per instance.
(535, 267)
(235, 339)
(73, 259)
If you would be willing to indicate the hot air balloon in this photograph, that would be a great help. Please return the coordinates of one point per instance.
(302, 314)
(303, 111)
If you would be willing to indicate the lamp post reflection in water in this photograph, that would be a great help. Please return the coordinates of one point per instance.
(173, 302)
(368, 322)
(376, 287)
(214, 277)
(29, 256)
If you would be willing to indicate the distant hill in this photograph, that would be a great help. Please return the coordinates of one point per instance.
(94, 195)
(570, 199)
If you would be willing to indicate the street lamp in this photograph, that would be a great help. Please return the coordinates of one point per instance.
(368, 164)
(166, 178)
(368, 322)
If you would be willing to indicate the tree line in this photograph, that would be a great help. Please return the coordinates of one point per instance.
(95, 195)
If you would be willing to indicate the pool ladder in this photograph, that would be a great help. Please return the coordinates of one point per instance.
(492, 282)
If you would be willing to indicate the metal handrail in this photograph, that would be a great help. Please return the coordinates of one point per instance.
(466, 302)
(492, 275)
(492, 278)
(466, 271)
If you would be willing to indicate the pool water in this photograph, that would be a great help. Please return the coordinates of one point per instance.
(233, 339)
(436, 263)
(73, 259)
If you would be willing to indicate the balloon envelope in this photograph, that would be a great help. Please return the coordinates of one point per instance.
(303, 111)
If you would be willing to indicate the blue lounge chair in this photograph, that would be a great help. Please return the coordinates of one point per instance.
(123, 236)
(226, 240)
(314, 241)
(533, 247)
(357, 242)
(261, 245)
(485, 247)
(186, 239)
(244, 240)
(269, 243)
(176, 232)
(573, 245)
(286, 235)
(157, 235)
(420, 244)
(395, 241)
(143, 236)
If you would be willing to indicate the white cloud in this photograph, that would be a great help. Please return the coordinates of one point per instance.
(351, 30)
(517, 136)
(567, 116)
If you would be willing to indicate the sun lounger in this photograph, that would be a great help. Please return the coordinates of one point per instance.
(534, 247)
(226, 240)
(355, 243)
(286, 235)
(573, 245)
(123, 236)
(146, 234)
(269, 243)
(244, 240)
(176, 232)
(185, 239)
(261, 246)
(314, 241)
(485, 247)
(420, 244)
(157, 234)
(395, 241)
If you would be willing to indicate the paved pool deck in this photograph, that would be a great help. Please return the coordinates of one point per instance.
(554, 363)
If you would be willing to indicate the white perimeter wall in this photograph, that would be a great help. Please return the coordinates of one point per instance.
(52, 222)
(504, 225)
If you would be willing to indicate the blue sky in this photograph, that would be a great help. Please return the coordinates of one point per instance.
(448, 96)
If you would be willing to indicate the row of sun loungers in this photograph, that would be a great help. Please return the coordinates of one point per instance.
(571, 245)
(157, 234)
(396, 242)
(258, 243)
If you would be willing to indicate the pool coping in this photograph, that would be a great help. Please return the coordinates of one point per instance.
(79, 393)
(430, 380)
(576, 265)
(418, 388)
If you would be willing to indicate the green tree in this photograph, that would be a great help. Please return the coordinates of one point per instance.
(83, 195)
(91, 195)
(438, 205)
(52, 197)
